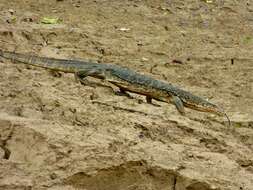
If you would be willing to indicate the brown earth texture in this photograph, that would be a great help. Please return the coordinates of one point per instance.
(57, 134)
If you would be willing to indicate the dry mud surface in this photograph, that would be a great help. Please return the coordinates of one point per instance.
(57, 134)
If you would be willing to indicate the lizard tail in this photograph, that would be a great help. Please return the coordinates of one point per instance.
(67, 66)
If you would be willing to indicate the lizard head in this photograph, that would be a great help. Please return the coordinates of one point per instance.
(206, 106)
(200, 104)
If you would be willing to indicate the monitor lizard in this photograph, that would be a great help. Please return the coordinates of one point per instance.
(125, 79)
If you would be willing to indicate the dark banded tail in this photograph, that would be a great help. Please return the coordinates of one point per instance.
(44, 62)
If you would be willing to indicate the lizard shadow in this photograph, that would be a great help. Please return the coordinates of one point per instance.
(115, 90)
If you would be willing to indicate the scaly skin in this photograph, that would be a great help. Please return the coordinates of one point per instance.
(125, 79)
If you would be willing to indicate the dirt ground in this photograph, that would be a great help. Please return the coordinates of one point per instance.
(57, 134)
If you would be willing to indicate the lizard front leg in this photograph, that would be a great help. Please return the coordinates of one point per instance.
(149, 99)
(179, 104)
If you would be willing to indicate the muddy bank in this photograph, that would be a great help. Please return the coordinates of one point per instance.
(58, 134)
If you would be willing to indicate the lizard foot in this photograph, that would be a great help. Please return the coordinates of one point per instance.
(122, 93)
(156, 105)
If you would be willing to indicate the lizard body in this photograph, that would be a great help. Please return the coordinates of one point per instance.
(125, 79)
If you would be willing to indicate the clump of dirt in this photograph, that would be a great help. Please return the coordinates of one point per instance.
(58, 134)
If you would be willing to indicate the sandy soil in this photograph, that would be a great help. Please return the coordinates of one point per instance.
(57, 134)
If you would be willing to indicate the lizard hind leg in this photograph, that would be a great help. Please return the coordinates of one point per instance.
(82, 74)
(80, 79)
(179, 104)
